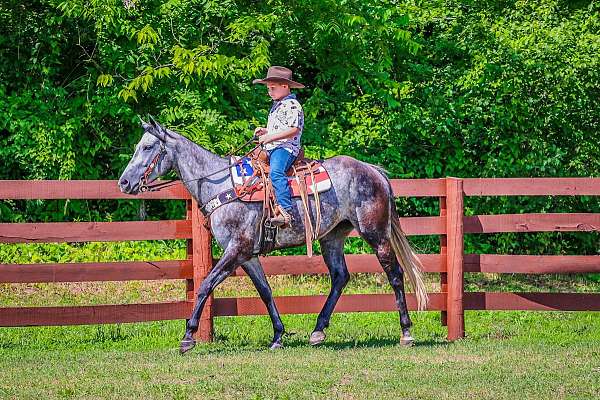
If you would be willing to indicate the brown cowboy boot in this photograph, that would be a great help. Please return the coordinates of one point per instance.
(283, 218)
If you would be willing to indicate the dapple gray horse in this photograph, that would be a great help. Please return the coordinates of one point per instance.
(360, 197)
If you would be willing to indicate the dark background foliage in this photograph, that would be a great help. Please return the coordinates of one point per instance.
(426, 89)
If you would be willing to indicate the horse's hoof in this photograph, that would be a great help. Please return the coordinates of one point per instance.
(316, 338)
(276, 346)
(407, 341)
(186, 345)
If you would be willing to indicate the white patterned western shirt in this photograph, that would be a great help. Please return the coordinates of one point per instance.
(285, 114)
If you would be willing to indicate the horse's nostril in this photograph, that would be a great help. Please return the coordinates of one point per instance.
(123, 182)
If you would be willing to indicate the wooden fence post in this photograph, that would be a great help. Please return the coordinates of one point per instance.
(200, 252)
(455, 242)
(189, 292)
(444, 253)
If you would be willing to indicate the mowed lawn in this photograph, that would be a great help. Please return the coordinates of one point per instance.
(507, 355)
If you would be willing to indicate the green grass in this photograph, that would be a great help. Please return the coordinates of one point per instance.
(506, 355)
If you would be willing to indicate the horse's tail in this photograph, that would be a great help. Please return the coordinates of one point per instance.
(404, 253)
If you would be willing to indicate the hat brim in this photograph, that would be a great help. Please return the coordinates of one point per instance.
(292, 84)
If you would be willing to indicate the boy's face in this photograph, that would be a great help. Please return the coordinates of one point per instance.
(278, 90)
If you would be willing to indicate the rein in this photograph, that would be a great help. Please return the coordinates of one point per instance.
(144, 187)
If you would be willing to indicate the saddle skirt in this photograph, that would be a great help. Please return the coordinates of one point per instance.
(317, 181)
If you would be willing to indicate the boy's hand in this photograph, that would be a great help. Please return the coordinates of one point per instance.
(264, 139)
(260, 131)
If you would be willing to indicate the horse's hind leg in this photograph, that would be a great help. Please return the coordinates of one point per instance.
(332, 248)
(257, 275)
(391, 266)
(395, 276)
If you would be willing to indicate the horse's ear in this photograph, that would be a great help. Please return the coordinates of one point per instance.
(145, 125)
(165, 134)
(156, 133)
(152, 120)
(156, 129)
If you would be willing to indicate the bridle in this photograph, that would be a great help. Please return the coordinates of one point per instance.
(144, 179)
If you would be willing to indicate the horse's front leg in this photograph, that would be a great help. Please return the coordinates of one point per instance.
(257, 275)
(231, 258)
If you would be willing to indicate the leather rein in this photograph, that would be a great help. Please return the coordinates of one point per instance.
(145, 187)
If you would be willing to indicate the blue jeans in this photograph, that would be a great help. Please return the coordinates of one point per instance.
(280, 161)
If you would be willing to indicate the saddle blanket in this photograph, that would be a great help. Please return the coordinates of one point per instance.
(241, 172)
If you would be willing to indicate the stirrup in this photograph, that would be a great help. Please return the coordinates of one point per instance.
(283, 219)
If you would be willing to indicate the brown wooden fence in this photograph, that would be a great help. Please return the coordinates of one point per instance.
(451, 263)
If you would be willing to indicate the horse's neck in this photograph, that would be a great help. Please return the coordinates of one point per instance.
(193, 162)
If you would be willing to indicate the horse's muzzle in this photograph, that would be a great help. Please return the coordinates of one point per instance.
(126, 187)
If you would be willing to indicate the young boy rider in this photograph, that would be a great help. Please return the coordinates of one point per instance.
(281, 137)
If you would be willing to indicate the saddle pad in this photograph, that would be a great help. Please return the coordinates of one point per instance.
(242, 171)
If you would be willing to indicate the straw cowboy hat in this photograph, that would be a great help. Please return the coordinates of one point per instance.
(279, 74)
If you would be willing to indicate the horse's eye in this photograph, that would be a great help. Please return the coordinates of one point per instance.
(147, 147)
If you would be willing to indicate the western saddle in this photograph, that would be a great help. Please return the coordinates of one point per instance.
(302, 169)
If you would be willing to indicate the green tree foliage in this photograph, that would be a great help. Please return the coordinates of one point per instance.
(424, 88)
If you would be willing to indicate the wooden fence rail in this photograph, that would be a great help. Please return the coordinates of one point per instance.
(451, 263)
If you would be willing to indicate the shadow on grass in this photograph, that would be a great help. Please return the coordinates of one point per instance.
(371, 343)
(224, 349)
(224, 344)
